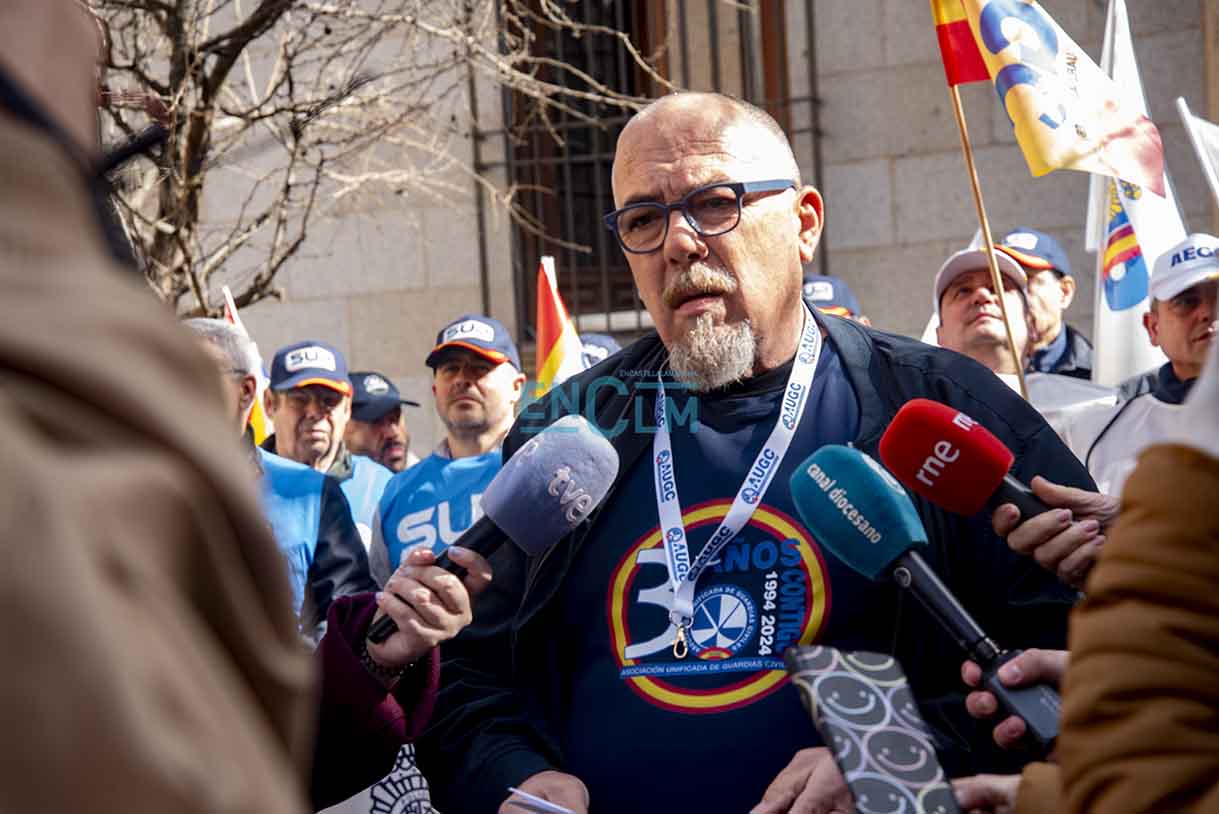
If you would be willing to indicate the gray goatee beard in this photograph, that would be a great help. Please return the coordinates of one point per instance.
(710, 356)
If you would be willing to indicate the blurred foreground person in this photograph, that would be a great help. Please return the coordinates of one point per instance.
(1141, 702)
(152, 662)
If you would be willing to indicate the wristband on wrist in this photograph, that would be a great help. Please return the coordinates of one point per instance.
(377, 670)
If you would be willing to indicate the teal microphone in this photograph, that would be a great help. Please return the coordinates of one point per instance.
(863, 516)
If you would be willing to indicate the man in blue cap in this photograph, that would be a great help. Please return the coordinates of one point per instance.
(378, 424)
(832, 295)
(1057, 347)
(477, 384)
(309, 404)
(596, 348)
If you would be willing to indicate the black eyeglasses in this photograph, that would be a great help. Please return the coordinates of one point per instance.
(641, 228)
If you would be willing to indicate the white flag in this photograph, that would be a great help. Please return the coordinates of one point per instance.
(1128, 228)
(1205, 137)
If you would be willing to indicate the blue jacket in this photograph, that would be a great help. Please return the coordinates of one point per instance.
(312, 525)
(363, 489)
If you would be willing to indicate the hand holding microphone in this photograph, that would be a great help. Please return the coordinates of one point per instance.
(957, 464)
(427, 605)
(864, 517)
(544, 491)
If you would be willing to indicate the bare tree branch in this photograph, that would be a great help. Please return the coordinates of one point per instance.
(305, 109)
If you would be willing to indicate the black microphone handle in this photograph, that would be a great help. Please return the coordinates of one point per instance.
(1038, 705)
(484, 537)
(914, 574)
(1013, 491)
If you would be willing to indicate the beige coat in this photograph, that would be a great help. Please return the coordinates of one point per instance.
(1140, 729)
(151, 662)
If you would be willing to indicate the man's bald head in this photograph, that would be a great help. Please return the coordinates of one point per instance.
(715, 116)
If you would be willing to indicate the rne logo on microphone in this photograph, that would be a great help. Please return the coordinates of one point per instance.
(942, 454)
(964, 422)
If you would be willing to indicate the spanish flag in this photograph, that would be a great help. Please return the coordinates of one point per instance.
(962, 60)
(558, 343)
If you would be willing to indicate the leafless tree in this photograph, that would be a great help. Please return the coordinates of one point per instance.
(302, 105)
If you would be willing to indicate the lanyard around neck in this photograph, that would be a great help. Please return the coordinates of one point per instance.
(684, 574)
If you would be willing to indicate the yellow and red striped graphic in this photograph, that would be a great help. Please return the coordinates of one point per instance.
(558, 342)
(962, 60)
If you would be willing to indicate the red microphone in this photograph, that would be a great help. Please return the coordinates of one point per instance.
(945, 456)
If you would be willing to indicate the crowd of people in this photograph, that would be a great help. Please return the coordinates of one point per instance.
(188, 612)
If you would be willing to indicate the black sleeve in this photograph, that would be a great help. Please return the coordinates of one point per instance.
(340, 563)
(481, 739)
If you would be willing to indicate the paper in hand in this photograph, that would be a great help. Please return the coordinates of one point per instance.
(529, 802)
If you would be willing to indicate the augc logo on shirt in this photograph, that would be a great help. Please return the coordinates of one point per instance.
(769, 590)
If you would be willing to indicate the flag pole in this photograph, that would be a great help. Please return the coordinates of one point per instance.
(988, 241)
(1187, 118)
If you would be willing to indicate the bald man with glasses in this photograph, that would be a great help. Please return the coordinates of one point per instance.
(716, 226)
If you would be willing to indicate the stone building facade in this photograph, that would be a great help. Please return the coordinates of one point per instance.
(885, 152)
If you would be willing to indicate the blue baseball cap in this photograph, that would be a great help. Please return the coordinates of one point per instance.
(597, 347)
(374, 395)
(1036, 251)
(482, 335)
(831, 295)
(310, 362)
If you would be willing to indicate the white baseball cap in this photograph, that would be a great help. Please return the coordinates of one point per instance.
(1194, 260)
(972, 260)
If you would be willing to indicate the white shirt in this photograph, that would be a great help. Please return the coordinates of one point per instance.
(1110, 446)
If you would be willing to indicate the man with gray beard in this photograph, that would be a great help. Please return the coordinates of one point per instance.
(638, 664)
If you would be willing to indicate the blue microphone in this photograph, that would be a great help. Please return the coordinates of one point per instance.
(857, 510)
(550, 486)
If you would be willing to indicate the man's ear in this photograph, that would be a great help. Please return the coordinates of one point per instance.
(268, 402)
(1067, 284)
(810, 208)
(249, 392)
(518, 388)
(1151, 323)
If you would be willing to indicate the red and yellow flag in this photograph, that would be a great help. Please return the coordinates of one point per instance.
(962, 60)
(558, 351)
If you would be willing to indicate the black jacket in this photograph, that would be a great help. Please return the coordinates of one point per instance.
(500, 685)
(1076, 360)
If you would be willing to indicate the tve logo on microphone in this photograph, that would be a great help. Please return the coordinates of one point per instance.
(576, 499)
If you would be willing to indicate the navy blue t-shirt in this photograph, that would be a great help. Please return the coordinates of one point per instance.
(649, 732)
